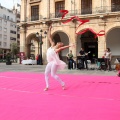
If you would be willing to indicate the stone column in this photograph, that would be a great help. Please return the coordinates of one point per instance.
(101, 46)
(101, 39)
(23, 43)
(23, 10)
(22, 40)
(23, 29)
(36, 48)
(46, 45)
(73, 37)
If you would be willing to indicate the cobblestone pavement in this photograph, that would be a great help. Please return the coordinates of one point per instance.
(15, 67)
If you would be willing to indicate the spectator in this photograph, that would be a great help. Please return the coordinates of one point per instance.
(107, 56)
(37, 59)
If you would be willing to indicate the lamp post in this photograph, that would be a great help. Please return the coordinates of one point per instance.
(40, 36)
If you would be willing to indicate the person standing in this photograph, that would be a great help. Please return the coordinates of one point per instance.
(37, 59)
(83, 57)
(107, 57)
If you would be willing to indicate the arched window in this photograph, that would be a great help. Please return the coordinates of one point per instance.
(86, 6)
(115, 5)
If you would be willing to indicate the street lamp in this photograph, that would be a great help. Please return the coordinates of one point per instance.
(40, 36)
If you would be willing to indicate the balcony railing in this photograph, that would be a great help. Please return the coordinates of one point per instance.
(86, 11)
(33, 18)
(107, 9)
(97, 10)
(58, 15)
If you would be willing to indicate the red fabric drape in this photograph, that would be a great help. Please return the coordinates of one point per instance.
(64, 12)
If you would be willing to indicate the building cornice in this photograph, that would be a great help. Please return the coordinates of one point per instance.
(34, 1)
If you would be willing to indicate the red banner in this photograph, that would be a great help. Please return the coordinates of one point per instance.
(64, 12)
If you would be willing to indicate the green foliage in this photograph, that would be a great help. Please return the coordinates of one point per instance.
(1, 51)
(41, 43)
(14, 49)
(8, 57)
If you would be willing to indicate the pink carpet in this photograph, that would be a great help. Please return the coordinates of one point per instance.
(85, 98)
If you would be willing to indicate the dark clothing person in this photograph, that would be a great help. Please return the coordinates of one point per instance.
(108, 63)
(107, 57)
(37, 59)
(83, 57)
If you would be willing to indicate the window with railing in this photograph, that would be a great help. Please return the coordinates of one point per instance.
(59, 6)
(5, 30)
(115, 5)
(0, 28)
(12, 31)
(12, 38)
(86, 6)
(34, 12)
(4, 16)
(5, 22)
(5, 37)
(4, 44)
(0, 36)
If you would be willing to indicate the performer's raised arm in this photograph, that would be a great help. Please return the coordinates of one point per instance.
(50, 37)
(64, 47)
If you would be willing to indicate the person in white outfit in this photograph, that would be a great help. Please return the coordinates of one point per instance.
(54, 62)
(107, 57)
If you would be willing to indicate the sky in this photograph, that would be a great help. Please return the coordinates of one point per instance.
(9, 3)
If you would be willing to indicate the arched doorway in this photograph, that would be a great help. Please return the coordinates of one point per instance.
(89, 43)
(62, 37)
(32, 46)
(113, 41)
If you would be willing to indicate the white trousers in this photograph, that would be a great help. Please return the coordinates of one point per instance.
(51, 68)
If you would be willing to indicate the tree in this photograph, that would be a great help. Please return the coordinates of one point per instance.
(1, 53)
(8, 59)
(14, 49)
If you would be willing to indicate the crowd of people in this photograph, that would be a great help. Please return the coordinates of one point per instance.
(80, 63)
(82, 60)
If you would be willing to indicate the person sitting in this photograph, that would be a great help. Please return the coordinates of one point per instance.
(70, 60)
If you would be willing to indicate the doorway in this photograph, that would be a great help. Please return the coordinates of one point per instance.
(93, 48)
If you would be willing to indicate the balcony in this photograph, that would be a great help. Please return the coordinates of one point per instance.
(86, 11)
(107, 9)
(59, 15)
(34, 18)
(80, 12)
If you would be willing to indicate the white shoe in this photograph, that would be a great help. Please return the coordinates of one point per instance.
(46, 89)
(63, 87)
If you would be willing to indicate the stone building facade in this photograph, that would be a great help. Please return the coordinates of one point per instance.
(37, 15)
